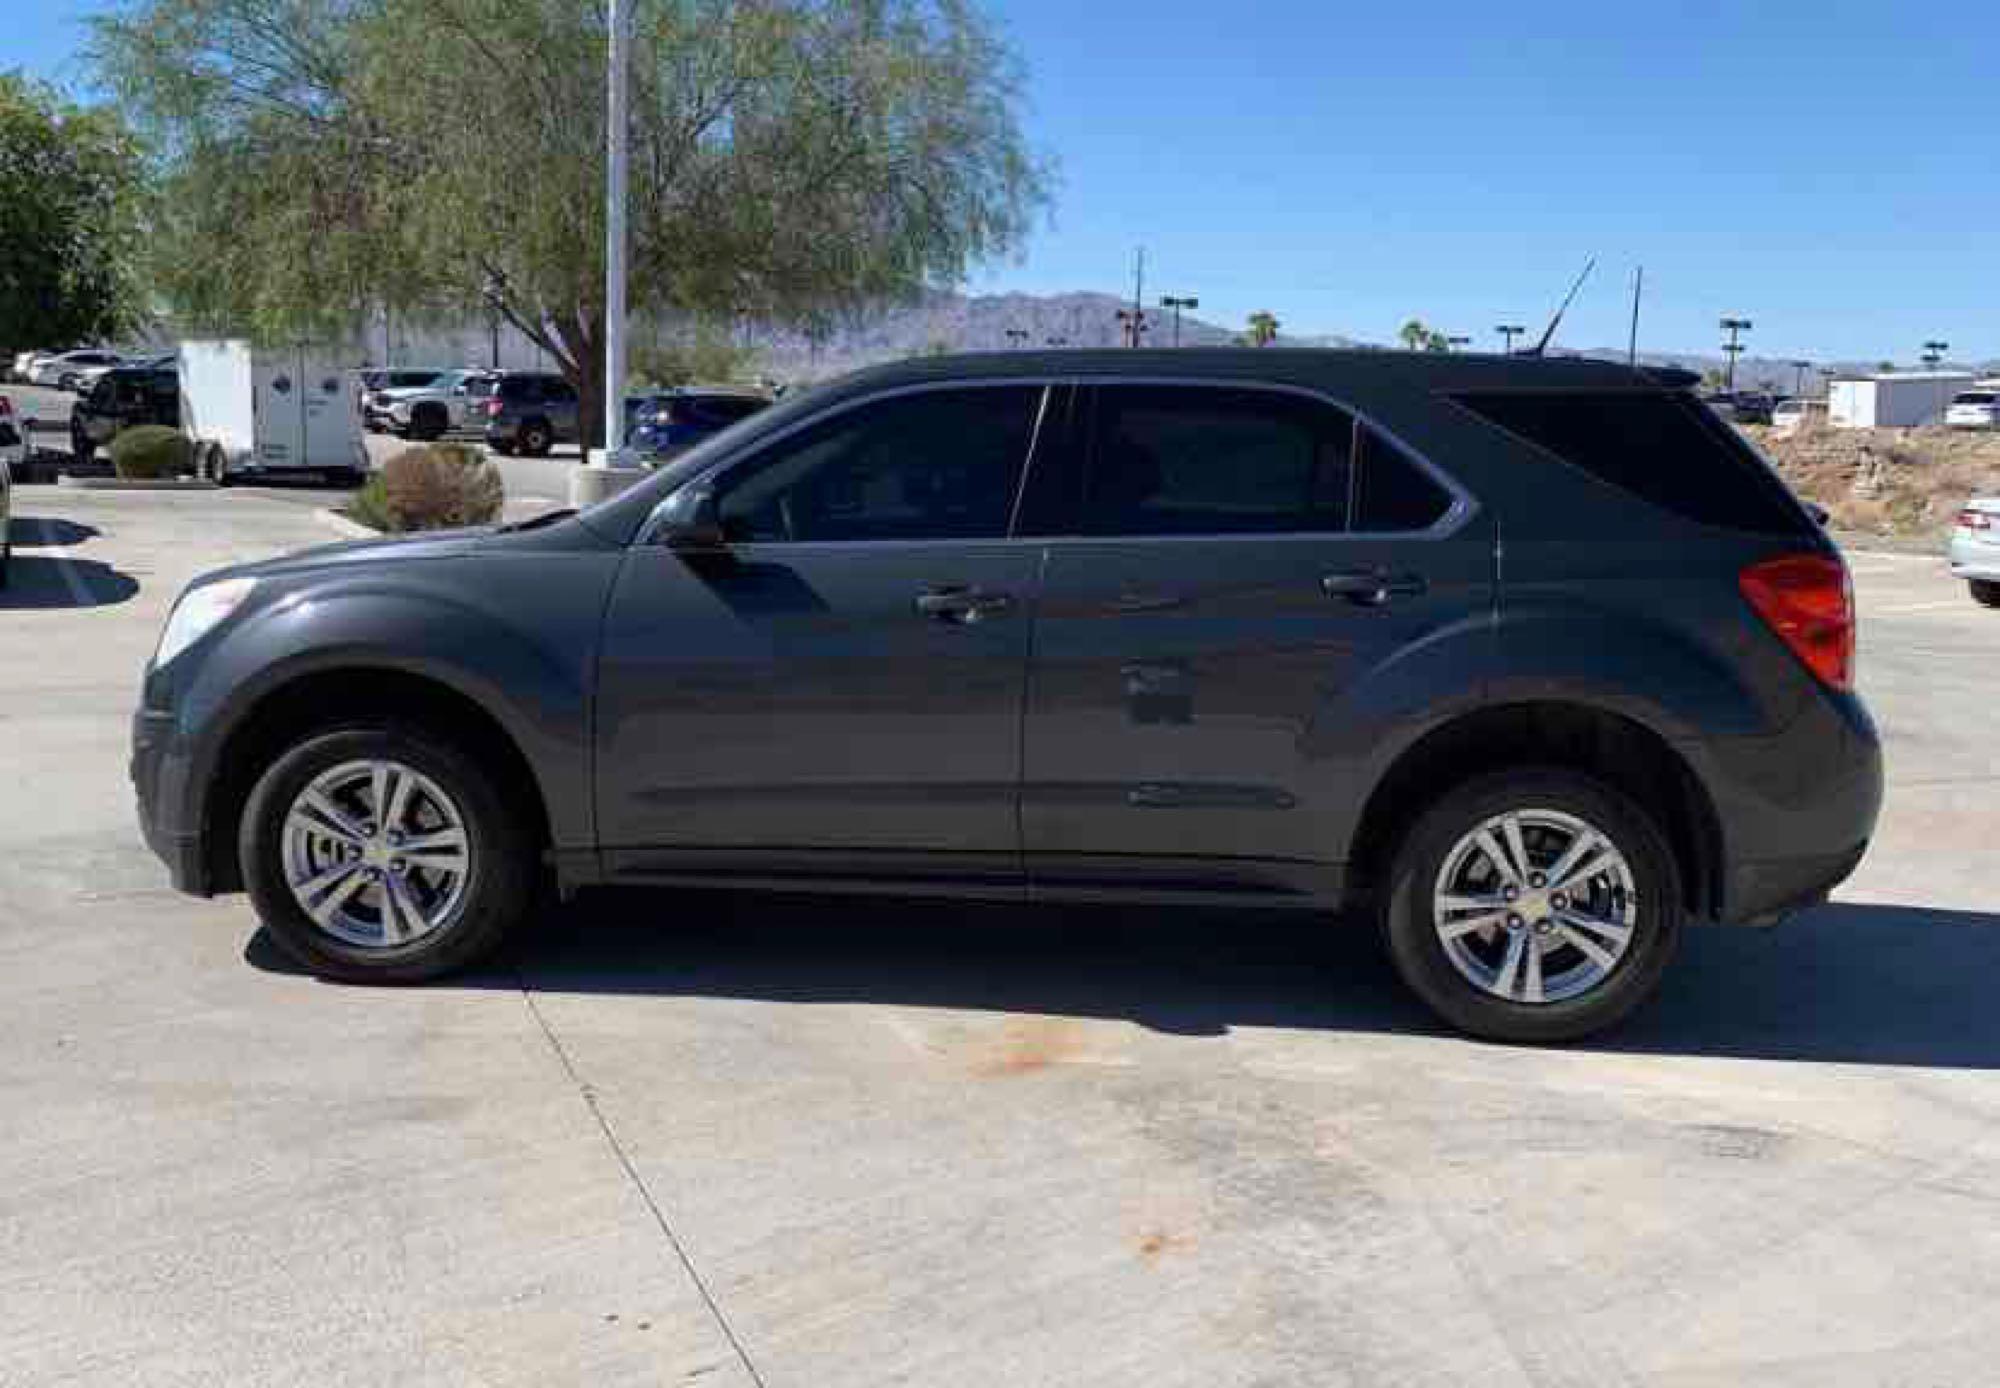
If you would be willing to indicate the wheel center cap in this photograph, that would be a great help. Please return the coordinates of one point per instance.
(1533, 904)
(375, 853)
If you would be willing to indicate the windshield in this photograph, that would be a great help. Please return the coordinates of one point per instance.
(1974, 397)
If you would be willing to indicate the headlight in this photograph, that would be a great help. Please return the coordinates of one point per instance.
(198, 612)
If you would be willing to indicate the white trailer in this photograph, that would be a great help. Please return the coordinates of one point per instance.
(269, 411)
(1893, 400)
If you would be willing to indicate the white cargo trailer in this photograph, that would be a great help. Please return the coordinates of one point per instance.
(1893, 400)
(269, 411)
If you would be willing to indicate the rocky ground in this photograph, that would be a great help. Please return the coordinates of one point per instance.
(1895, 485)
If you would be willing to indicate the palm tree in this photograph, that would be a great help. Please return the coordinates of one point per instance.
(1263, 328)
(1415, 335)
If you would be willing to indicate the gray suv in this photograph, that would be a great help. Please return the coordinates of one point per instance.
(1527, 661)
(529, 412)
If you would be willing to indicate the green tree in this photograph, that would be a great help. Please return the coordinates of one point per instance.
(792, 160)
(702, 354)
(1263, 328)
(1419, 336)
(72, 220)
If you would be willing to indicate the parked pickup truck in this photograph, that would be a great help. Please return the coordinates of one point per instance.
(454, 400)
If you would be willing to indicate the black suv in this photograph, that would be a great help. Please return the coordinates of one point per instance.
(530, 412)
(1530, 661)
(122, 397)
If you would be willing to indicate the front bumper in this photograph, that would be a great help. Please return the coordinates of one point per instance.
(159, 778)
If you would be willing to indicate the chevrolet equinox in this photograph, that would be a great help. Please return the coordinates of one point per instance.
(1529, 661)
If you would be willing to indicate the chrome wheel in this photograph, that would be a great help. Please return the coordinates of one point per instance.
(376, 854)
(1535, 906)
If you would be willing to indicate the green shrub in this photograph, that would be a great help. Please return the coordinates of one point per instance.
(439, 486)
(370, 505)
(151, 451)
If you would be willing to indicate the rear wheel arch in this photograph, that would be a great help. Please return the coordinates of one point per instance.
(1622, 753)
(354, 697)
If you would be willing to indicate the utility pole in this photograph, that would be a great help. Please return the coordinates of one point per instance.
(1632, 343)
(1934, 352)
(1732, 348)
(1169, 301)
(1452, 344)
(1133, 319)
(619, 140)
(1508, 332)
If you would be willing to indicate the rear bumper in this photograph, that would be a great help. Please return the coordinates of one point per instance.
(1764, 893)
(1975, 558)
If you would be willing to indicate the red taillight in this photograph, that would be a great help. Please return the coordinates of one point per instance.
(1807, 600)
(493, 407)
(6, 407)
(1967, 519)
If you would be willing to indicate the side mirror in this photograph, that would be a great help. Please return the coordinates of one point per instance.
(690, 519)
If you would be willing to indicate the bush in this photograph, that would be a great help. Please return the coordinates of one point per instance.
(370, 505)
(151, 451)
(438, 487)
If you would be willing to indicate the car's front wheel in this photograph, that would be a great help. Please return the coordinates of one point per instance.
(384, 854)
(1534, 905)
(1986, 592)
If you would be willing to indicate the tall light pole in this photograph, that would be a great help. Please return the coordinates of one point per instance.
(1508, 332)
(1131, 323)
(1799, 369)
(1452, 344)
(1732, 348)
(1934, 352)
(618, 138)
(1177, 304)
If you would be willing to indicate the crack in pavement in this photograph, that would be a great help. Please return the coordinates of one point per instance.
(589, 1097)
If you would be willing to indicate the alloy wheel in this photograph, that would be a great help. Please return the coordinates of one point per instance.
(1535, 906)
(376, 853)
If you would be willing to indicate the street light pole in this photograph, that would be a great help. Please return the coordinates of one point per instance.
(1799, 378)
(1177, 304)
(1508, 332)
(1452, 344)
(1732, 348)
(618, 141)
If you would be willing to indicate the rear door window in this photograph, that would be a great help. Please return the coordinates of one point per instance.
(1662, 447)
(1177, 460)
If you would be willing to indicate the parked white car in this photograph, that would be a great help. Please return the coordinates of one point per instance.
(1974, 409)
(455, 400)
(50, 370)
(1975, 549)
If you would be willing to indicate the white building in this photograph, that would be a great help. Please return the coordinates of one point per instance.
(1893, 399)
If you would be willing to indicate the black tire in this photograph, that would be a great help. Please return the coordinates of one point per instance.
(534, 439)
(1420, 957)
(81, 448)
(1985, 592)
(499, 884)
(428, 422)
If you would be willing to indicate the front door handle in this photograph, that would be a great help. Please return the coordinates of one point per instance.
(961, 604)
(1371, 587)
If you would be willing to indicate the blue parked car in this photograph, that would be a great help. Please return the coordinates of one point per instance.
(663, 425)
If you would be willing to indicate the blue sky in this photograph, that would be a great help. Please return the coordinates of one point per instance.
(1829, 170)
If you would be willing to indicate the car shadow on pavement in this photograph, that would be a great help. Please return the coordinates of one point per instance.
(35, 581)
(1882, 985)
(48, 532)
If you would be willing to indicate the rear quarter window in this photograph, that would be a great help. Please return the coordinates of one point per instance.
(1662, 447)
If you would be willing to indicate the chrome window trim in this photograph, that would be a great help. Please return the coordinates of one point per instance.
(1463, 506)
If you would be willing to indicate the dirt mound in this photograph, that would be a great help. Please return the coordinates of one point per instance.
(1896, 483)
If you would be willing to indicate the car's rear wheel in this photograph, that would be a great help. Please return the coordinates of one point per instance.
(1533, 905)
(534, 439)
(1986, 592)
(384, 854)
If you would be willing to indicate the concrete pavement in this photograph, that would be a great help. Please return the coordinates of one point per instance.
(703, 1139)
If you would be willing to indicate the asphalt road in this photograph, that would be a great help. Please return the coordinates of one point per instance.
(702, 1140)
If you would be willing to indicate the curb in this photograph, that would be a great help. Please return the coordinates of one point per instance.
(345, 528)
(135, 484)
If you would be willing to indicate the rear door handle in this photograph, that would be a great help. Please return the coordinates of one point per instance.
(1371, 587)
(960, 603)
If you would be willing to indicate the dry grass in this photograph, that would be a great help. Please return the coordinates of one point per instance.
(1894, 483)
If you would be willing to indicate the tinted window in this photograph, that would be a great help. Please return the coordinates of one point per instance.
(1663, 447)
(405, 380)
(934, 465)
(1174, 460)
(1391, 493)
